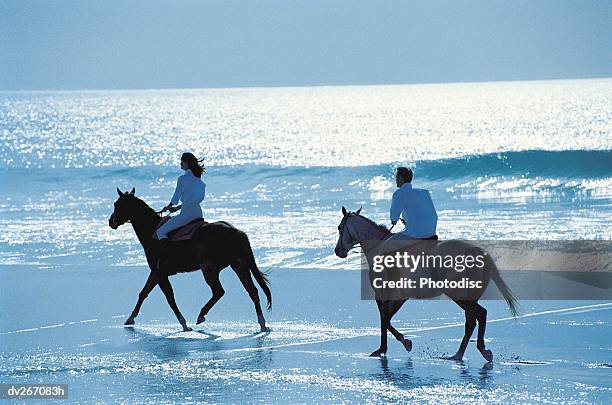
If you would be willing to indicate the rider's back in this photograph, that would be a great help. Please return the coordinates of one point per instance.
(417, 209)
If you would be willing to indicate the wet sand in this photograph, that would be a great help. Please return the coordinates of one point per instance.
(65, 326)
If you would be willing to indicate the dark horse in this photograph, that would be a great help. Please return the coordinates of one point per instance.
(356, 229)
(212, 248)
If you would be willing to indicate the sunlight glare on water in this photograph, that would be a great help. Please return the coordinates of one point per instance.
(320, 126)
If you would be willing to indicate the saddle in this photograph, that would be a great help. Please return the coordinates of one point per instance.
(185, 232)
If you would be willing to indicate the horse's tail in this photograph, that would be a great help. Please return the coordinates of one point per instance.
(260, 276)
(507, 293)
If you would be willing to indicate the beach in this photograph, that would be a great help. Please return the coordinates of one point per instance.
(66, 327)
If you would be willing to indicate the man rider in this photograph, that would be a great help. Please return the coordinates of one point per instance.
(415, 206)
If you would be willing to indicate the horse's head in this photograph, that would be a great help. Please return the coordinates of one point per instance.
(347, 238)
(124, 209)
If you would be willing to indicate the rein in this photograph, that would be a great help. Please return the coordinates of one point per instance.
(159, 213)
(381, 239)
(388, 231)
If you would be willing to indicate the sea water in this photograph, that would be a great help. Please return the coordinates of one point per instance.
(517, 160)
(507, 160)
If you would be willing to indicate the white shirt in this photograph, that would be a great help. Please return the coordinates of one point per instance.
(189, 189)
(417, 209)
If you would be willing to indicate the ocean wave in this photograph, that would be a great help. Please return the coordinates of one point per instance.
(576, 164)
(584, 164)
(54, 217)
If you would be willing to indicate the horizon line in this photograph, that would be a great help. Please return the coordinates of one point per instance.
(94, 89)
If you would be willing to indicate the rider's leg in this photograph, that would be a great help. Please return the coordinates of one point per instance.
(172, 224)
(401, 236)
(393, 243)
(188, 213)
(162, 234)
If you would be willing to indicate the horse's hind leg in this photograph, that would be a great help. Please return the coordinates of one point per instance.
(166, 288)
(244, 274)
(470, 325)
(211, 275)
(481, 316)
(144, 293)
(395, 306)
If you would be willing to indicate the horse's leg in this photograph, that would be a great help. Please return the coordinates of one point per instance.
(383, 311)
(144, 293)
(211, 275)
(244, 274)
(166, 288)
(395, 306)
(481, 316)
(470, 325)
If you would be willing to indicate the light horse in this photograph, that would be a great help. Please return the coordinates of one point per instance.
(356, 229)
(212, 248)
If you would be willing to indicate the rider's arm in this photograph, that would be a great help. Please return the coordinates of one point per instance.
(431, 204)
(177, 192)
(396, 206)
(175, 208)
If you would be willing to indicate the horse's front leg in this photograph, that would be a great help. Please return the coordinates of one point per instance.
(144, 293)
(383, 312)
(166, 288)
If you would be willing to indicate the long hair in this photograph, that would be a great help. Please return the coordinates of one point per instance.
(193, 163)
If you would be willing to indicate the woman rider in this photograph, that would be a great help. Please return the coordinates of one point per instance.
(190, 189)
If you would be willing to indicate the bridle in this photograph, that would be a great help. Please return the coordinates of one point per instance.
(129, 221)
(117, 224)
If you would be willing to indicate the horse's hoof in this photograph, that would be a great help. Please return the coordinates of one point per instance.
(407, 344)
(456, 357)
(129, 322)
(487, 354)
(378, 353)
(201, 319)
(264, 328)
(187, 329)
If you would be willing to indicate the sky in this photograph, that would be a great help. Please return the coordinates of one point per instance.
(127, 44)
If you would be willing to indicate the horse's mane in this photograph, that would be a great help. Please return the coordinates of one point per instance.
(380, 227)
(141, 204)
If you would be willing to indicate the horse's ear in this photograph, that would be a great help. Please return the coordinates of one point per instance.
(119, 192)
(344, 211)
(133, 190)
(358, 211)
